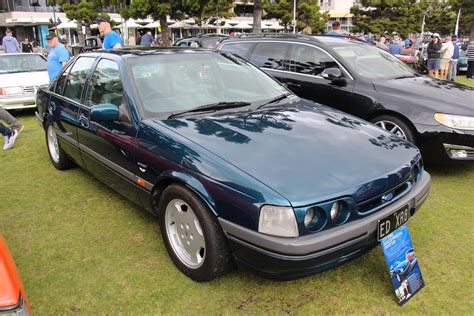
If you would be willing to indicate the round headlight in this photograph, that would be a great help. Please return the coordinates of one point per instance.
(308, 217)
(335, 209)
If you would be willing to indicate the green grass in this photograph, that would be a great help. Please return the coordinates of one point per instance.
(81, 248)
(464, 81)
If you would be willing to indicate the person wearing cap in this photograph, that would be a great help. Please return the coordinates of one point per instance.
(57, 56)
(434, 55)
(10, 44)
(453, 65)
(111, 38)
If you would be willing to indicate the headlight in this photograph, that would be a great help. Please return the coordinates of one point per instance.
(335, 209)
(277, 221)
(455, 121)
(11, 90)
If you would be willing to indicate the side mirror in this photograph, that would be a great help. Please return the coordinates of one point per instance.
(331, 74)
(104, 112)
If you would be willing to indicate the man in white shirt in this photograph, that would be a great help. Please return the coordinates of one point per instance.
(446, 53)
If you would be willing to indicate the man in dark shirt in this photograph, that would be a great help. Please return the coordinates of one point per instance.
(434, 56)
(26, 46)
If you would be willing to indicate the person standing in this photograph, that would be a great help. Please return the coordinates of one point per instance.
(395, 47)
(381, 43)
(147, 39)
(111, 38)
(453, 64)
(447, 52)
(434, 54)
(336, 29)
(26, 46)
(57, 56)
(470, 59)
(10, 44)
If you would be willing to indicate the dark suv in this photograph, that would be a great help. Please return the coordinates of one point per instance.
(365, 81)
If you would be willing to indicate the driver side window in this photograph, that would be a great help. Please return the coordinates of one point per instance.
(309, 60)
(105, 85)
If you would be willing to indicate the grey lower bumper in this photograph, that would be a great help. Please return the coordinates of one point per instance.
(330, 240)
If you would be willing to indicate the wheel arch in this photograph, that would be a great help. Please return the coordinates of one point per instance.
(398, 115)
(191, 183)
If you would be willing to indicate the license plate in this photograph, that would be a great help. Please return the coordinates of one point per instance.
(392, 222)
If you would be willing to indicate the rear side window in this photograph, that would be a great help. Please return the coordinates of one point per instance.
(269, 55)
(77, 78)
(241, 49)
(309, 60)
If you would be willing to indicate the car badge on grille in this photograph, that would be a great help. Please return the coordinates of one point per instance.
(387, 197)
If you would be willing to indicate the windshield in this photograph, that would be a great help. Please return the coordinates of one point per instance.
(371, 62)
(168, 84)
(21, 63)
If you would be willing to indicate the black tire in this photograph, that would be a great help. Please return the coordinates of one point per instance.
(60, 160)
(407, 130)
(217, 260)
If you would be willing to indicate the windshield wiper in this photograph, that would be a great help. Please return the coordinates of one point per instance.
(275, 100)
(212, 107)
(405, 76)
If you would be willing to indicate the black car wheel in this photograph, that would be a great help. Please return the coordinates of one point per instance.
(395, 126)
(192, 235)
(58, 157)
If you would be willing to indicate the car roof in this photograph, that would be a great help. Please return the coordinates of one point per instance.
(148, 51)
(314, 38)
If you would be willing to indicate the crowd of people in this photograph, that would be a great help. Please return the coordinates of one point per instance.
(442, 53)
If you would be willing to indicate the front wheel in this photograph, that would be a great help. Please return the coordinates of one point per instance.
(395, 126)
(58, 157)
(192, 235)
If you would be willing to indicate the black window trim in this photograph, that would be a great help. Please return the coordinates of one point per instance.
(295, 43)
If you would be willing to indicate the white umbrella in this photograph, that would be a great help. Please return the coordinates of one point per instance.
(242, 26)
(130, 25)
(151, 25)
(182, 25)
(67, 25)
(209, 26)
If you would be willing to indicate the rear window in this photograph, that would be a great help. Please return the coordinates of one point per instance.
(21, 63)
(242, 49)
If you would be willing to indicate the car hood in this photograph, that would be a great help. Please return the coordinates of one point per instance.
(435, 95)
(304, 151)
(24, 79)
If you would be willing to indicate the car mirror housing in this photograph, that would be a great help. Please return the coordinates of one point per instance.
(331, 73)
(104, 112)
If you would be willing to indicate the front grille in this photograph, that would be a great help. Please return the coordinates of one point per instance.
(29, 89)
(385, 198)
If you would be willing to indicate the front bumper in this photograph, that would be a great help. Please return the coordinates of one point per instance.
(288, 258)
(438, 146)
(18, 102)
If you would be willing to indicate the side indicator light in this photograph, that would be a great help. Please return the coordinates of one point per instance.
(141, 182)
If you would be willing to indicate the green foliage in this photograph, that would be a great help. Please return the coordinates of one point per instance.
(467, 15)
(308, 14)
(406, 16)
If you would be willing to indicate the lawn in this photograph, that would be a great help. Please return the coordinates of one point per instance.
(465, 81)
(83, 249)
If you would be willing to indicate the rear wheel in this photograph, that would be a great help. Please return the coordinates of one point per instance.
(192, 235)
(58, 157)
(395, 126)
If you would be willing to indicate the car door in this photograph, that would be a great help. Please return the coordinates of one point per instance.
(306, 65)
(64, 105)
(271, 58)
(108, 148)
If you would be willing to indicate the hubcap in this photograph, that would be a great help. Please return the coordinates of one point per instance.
(392, 128)
(53, 144)
(185, 234)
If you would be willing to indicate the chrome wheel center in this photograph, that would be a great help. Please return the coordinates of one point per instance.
(53, 144)
(185, 234)
(392, 128)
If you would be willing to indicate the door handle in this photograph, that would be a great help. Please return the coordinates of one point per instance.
(84, 121)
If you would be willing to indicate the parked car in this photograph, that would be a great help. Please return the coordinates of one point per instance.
(234, 165)
(12, 294)
(462, 61)
(20, 77)
(437, 116)
(203, 40)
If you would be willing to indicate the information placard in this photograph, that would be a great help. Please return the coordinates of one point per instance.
(402, 264)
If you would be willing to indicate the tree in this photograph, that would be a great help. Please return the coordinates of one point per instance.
(466, 23)
(158, 10)
(83, 11)
(257, 16)
(308, 14)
